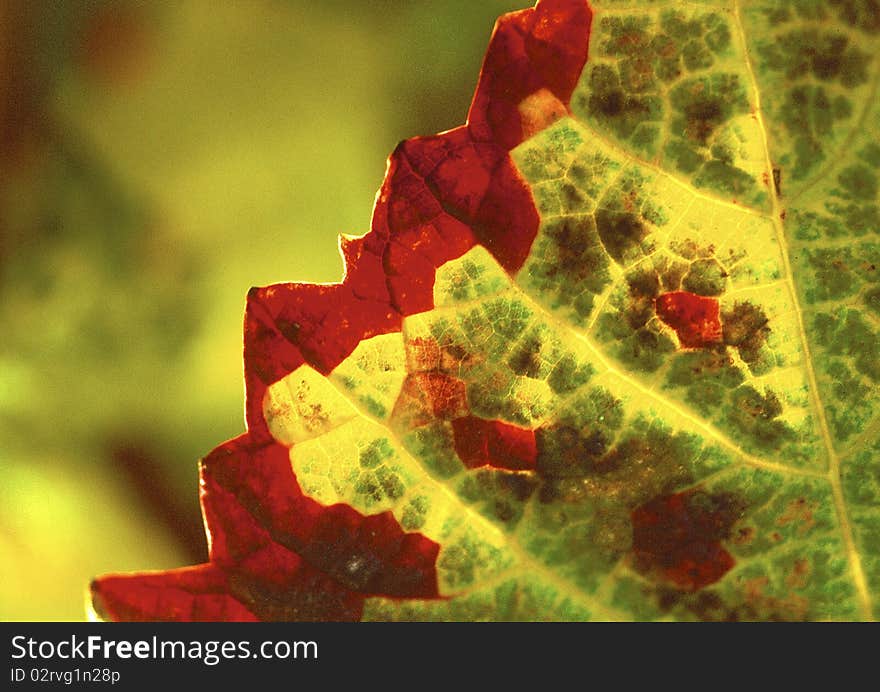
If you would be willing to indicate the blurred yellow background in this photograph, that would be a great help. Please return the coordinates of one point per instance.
(156, 161)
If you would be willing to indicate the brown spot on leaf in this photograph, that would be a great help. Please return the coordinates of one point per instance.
(422, 354)
(447, 395)
(672, 276)
(572, 239)
(453, 356)
(565, 451)
(614, 103)
(750, 604)
(526, 358)
(426, 396)
(777, 180)
(712, 362)
(702, 116)
(799, 512)
(620, 231)
(754, 588)
(519, 485)
(610, 103)
(799, 575)
(757, 605)
(744, 535)
(643, 288)
(706, 605)
(745, 327)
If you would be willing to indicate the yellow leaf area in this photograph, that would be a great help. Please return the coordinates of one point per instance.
(555, 542)
(668, 479)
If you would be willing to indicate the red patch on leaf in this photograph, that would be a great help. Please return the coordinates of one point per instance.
(679, 536)
(481, 442)
(427, 396)
(275, 553)
(696, 319)
(189, 594)
(422, 354)
(441, 196)
(250, 497)
(447, 395)
(544, 47)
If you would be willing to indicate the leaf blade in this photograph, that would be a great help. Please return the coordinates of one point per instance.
(568, 373)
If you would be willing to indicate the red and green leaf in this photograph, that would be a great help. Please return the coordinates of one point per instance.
(609, 351)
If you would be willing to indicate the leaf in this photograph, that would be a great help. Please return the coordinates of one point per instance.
(609, 351)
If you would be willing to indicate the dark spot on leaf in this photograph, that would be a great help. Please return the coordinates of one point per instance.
(520, 485)
(446, 394)
(643, 284)
(575, 267)
(573, 199)
(373, 454)
(744, 535)
(863, 14)
(706, 605)
(671, 277)
(777, 180)
(756, 415)
(677, 538)
(391, 483)
(706, 277)
(799, 513)
(613, 102)
(610, 103)
(565, 451)
(745, 327)
(367, 486)
(872, 300)
(749, 605)
(702, 115)
(620, 231)
(567, 375)
(307, 597)
(643, 287)
(289, 330)
(526, 358)
(825, 55)
(799, 576)
(859, 182)
(504, 511)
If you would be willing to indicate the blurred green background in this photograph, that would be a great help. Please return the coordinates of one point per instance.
(156, 161)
